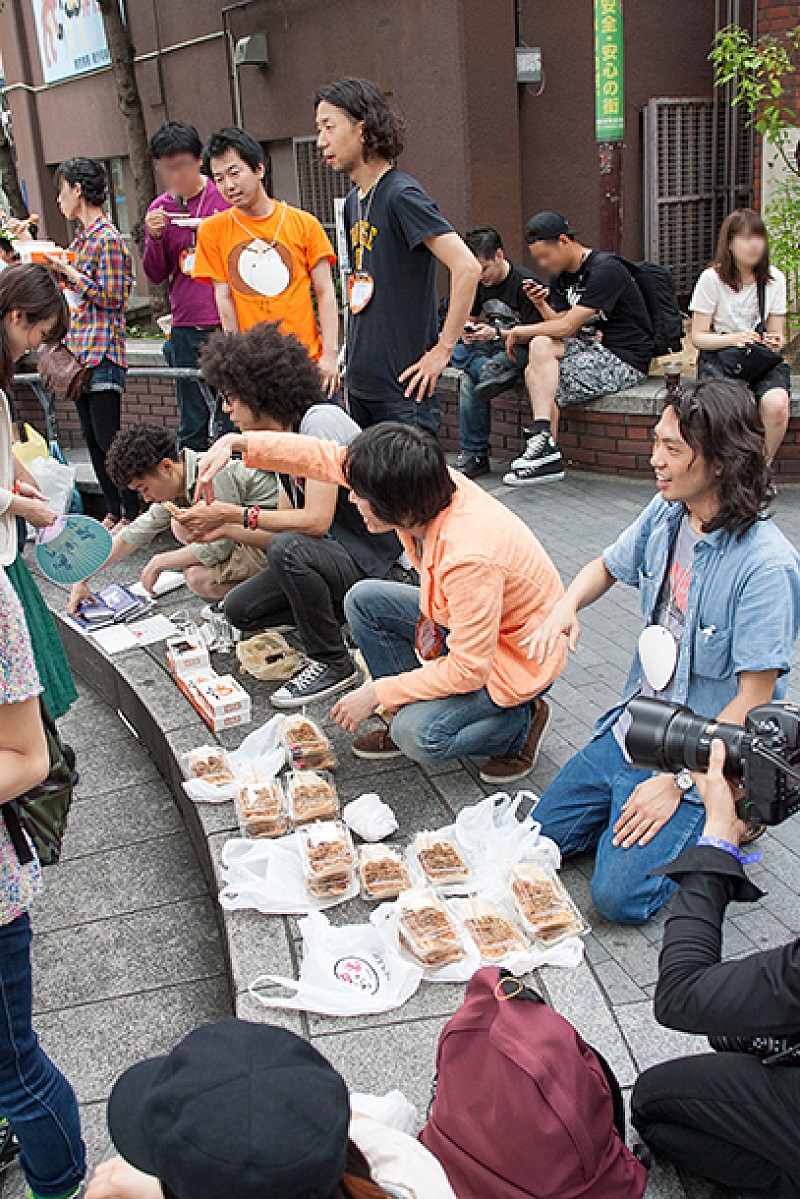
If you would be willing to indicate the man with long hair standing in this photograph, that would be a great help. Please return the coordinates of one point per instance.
(396, 235)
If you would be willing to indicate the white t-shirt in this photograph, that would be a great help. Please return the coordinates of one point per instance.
(736, 311)
(398, 1162)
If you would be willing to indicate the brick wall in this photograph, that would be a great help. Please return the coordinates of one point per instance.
(592, 439)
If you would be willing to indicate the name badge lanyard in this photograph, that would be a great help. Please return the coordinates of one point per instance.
(187, 256)
(277, 271)
(361, 284)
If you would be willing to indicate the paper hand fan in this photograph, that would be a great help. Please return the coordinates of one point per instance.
(72, 549)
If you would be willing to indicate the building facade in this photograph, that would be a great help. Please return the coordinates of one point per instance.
(490, 149)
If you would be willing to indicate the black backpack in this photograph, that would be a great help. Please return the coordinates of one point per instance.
(658, 290)
(42, 812)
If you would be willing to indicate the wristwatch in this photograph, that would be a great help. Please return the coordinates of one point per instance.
(683, 780)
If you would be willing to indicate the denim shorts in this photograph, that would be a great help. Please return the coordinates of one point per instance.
(107, 376)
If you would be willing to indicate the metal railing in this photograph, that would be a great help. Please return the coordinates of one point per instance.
(171, 373)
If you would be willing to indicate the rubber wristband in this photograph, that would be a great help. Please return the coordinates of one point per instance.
(744, 859)
(246, 518)
(254, 513)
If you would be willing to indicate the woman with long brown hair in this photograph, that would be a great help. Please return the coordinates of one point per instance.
(40, 1112)
(32, 312)
(740, 301)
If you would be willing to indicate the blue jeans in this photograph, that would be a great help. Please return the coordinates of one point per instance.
(383, 619)
(182, 349)
(475, 414)
(579, 810)
(35, 1098)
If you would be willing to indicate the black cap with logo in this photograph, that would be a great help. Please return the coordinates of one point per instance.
(547, 226)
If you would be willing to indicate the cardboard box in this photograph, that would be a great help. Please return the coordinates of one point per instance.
(187, 656)
(221, 701)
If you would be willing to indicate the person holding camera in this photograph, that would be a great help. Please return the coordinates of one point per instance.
(501, 302)
(729, 1116)
(720, 595)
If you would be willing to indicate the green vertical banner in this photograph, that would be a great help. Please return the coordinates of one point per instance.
(608, 71)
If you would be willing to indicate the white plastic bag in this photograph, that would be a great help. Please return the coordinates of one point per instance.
(261, 751)
(268, 876)
(490, 829)
(370, 818)
(55, 481)
(346, 971)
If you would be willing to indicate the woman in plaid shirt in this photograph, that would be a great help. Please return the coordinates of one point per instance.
(97, 290)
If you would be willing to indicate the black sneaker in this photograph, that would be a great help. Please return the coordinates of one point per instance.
(472, 465)
(495, 378)
(9, 1146)
(316, 681)
(541, 462)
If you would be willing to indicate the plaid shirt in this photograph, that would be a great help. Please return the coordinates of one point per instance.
(97, 321)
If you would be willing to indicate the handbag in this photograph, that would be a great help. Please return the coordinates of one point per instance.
(750, 363)
(61, 372)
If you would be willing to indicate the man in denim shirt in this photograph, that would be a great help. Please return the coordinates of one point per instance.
(724, 582)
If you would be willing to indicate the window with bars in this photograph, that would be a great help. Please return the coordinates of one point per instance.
(698, 165)
(317, 185)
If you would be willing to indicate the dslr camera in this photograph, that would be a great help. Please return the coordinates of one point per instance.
(763, 756)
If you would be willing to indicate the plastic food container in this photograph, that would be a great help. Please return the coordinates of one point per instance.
(261, 808)
(428, 931)
(383, 872)
(209, 763)
(308, 746)
(312, 796)
(545, 905)
(328, 858)
(440, 860)
(492, 931)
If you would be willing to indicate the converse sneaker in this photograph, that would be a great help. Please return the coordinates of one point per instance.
(316, 681)
(472, 465)
(495, 377)
(541, 462)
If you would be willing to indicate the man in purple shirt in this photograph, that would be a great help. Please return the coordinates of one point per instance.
(170, 235)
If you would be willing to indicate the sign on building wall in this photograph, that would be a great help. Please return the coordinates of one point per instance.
(71, 37)
(608, 71)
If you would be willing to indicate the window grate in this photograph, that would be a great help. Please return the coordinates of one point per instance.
(317, 185)
(697, 166)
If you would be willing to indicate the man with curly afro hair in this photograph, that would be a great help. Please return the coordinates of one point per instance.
(146, 459)
(318, 546)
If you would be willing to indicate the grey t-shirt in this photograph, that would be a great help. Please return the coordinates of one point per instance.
(375, 553)
(670, 612)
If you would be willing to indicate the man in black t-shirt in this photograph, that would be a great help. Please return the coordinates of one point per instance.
(396, 233)
(501, 302)
(595, 338)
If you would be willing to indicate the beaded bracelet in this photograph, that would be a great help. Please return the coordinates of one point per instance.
(246, 518)
(253, 514)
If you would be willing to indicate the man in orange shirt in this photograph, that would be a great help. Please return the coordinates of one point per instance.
(264, 257)
(446, 657)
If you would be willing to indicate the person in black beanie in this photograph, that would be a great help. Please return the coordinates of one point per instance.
(281, 1127)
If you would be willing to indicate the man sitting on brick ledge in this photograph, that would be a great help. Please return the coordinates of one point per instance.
(147, 459)
(714, 572)
(595, 338)
(445, 657)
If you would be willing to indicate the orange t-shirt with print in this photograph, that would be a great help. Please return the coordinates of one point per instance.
(268, 282)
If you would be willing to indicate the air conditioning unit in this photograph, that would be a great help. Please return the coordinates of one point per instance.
(251, 51)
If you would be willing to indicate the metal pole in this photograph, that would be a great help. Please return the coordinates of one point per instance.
(609, 156)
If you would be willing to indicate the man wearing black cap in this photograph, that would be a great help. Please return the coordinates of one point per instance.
(282, 1126)
(595, 338)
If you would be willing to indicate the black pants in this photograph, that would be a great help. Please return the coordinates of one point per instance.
(305, 584)
(725, 1117)
(428, 414)
(99, 414)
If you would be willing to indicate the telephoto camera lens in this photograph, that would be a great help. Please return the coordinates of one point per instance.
(670, 737)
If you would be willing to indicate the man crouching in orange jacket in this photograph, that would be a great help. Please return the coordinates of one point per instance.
(446, 656)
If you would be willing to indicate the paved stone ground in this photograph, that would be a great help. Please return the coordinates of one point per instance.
(128, 957)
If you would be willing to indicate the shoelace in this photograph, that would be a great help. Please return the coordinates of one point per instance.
(536, 445)
(307, 676)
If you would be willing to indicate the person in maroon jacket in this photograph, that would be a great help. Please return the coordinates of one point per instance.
(170, 234)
